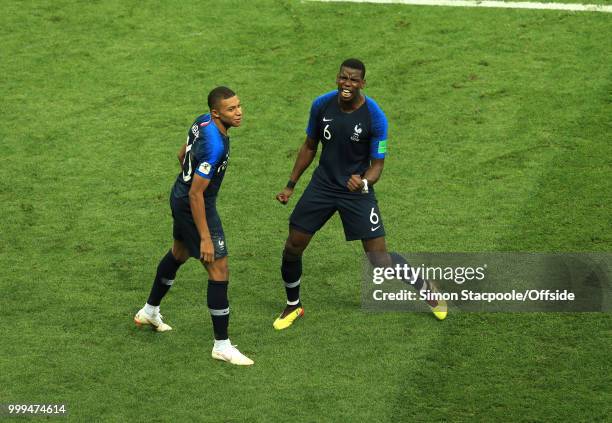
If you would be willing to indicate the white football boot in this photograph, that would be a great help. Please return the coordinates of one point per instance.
(231, 354)
(155, 320)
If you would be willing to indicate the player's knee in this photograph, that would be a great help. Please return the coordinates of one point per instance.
(380, 259)
(297, 241)
(180, 252)
(294, 248)
(291, 252)
(218, 270)
(376, 250)
(220, 275)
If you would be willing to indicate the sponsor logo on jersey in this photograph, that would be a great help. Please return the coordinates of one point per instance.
(204, 168)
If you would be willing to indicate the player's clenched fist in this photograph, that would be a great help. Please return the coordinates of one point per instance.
(354, 183)
(284, 195)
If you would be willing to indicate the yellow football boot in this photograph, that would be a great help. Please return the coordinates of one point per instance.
(284, 322)
(441, 310)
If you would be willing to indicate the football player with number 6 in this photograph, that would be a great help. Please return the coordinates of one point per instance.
(352, 129)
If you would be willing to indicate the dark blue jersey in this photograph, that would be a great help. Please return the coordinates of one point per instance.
(349, 140)
(207, 154)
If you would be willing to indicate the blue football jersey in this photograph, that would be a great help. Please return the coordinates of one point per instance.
(206, 154)
(349, 140)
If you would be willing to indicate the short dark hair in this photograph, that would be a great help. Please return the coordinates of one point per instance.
(218, 94)
(354, 64)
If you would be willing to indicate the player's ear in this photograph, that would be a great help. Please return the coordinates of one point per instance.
(215, 113)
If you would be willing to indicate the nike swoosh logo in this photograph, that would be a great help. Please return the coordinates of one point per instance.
(223, 356)
(374, 228)
(327, 120)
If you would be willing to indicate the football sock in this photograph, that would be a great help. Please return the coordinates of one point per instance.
(166, 272)
(419, 284)
(218, 306)
(291, 270)
(149, 309)
(221, 344)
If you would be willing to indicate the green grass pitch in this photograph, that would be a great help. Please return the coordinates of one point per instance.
(500, 124)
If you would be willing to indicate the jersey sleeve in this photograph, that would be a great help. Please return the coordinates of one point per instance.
(312, 130)
(208, 150)
(378, 143)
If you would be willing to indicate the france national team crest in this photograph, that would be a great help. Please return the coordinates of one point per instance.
(357, 131)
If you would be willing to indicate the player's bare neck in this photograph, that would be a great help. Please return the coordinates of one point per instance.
(221, 126)
(351, 106)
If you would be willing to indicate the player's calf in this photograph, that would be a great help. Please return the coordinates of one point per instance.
(218, 306)
(439, 308)
(291, 272)
(164, 278)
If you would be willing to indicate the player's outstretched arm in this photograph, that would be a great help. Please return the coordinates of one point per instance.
(196, 202)
(305, 156)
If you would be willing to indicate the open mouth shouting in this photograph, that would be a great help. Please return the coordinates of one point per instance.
(346, 93)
